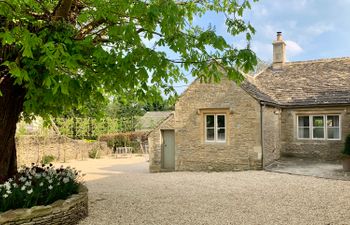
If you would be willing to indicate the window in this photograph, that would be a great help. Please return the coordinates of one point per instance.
(215, 128)
(304, 126)
(333, 128)
(319, 127)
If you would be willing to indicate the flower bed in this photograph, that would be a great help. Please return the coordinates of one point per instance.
(56, 196)
(69, 211)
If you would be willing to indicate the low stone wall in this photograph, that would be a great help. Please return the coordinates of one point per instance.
(32, 148)
(69, 211)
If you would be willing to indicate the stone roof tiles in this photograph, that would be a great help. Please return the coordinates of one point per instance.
(316, 82)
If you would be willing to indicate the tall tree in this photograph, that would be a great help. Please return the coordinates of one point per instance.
(56, 54)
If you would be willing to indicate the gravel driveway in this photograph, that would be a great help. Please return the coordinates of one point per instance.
(121, 191)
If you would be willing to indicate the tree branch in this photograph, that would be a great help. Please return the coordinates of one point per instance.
(88, 28)
(62, 9)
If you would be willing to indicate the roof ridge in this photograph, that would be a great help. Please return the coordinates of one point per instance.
(318, 60)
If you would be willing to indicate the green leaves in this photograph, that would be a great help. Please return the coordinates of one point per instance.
(117, 47)
(20, 74)
(7, 38)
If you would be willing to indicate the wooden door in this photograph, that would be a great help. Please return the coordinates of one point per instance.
(168, 158)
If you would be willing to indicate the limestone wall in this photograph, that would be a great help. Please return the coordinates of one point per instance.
(31, 148)
(242, 149)
(271, 134)
(319, 149)
(155, 144)
(68, 212)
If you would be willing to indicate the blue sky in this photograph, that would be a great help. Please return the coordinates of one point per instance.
(312, 29)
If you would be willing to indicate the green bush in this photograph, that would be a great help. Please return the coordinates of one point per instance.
(94, 153)
(38, 185)
(346, 150)
(46, 159)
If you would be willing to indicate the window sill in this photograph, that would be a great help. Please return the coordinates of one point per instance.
(316, 139)
(215, 142)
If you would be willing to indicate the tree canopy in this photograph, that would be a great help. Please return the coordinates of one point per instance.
(67, 52)
(62, 55)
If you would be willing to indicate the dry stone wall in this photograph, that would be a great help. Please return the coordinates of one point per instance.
(31, 148)
(65, 212)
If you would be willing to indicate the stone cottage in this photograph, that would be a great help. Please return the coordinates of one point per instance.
(299, 109)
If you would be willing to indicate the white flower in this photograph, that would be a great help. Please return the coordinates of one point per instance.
(7, 185)
(15, 185)
(30, 191)
(50, 187)
(28, 183)
(50, 181)
(5, 195)
(23, 187)
(65, 180)
(22, 179)
(10, 179)
(41, 184)
(8, 192)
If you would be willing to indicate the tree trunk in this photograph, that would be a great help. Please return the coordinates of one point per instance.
(11, 106)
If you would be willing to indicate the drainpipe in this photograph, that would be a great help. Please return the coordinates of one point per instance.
(262, 106)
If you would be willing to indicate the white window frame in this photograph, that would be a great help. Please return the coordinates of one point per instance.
(325, 127)
(216, 140)
(339, 127)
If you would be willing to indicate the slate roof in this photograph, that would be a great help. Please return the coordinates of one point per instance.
(306, 83)
(151, 119)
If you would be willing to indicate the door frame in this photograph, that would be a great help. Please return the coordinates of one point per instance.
(162, 150)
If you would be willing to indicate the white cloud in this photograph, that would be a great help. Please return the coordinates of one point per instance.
(260, 10)
(318, 29)
(269, 31)
(263, 50)
(296, 5)
(293, 48)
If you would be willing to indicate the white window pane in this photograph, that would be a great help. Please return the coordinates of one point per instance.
(210, 134)
(333, 133)
(221, 134)
(318, 133)
(210, 120)
(303, 121)
(332, 121)
(221, 121)
(304, 132)
(317, 121)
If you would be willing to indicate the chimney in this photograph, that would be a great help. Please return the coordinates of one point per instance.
(279, 52)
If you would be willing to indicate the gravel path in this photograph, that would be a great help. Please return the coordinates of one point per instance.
(121, 191)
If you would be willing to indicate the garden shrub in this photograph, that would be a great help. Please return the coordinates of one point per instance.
(127, 139)
(38, 185)
(46, 159)
(94, 153)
